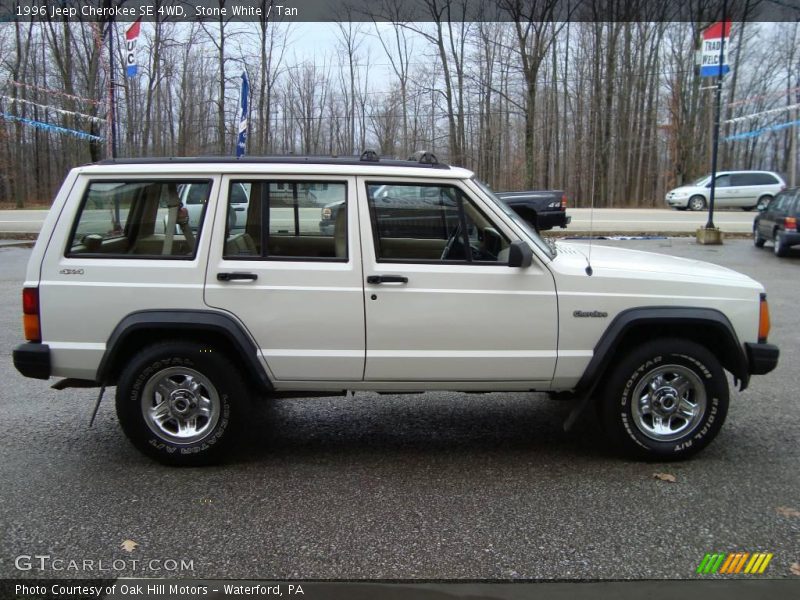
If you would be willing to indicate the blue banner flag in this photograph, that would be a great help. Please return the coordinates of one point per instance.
(242, 140)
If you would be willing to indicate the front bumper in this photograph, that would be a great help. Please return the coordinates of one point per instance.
(33, 360)
(673, 201)
(761, 358)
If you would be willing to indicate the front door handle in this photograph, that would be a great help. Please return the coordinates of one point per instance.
(236, 276)
(376, 279)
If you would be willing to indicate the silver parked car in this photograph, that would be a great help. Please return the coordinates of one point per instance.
(735, 189)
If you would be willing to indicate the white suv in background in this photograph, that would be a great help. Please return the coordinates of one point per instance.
(425, 281)
(735, 189)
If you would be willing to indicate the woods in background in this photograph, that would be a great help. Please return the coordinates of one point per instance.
(612, 110)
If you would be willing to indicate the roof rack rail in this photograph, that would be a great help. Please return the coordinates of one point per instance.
(367, 158)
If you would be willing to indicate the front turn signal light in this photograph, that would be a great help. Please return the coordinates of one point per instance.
(763, 320)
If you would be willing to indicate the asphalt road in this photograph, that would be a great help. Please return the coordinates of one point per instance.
(623, 220)
(438, 485)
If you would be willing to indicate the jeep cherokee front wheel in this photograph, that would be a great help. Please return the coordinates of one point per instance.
(665, 400)
(180, 403)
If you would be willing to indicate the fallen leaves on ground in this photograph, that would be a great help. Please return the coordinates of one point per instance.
(786, 511)
(795, 568)
(128, 545)
(665, 477)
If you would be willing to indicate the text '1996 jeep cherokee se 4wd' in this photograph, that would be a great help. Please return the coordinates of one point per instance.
(425, 282)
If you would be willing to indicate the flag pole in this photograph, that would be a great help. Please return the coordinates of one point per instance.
(112, 101)
(717, 111)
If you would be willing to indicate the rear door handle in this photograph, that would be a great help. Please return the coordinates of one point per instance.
(236, 276)
(376, 279)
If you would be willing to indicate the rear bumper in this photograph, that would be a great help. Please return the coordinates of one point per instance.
(33, 360)
(549, 220)
(761, 358)
(791, 238)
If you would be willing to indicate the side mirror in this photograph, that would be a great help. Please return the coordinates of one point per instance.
(520, 254)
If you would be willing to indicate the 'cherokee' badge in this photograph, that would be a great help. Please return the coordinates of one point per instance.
(597, 314)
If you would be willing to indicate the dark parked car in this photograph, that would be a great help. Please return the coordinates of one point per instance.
(543, 210)
(778, 222)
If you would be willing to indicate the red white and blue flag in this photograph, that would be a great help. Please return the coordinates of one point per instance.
(714, 38)
(130, 47)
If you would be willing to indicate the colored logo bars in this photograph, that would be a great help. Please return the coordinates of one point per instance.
(734, 563)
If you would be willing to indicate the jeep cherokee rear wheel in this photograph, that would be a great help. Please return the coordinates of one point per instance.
(665, 400)
(181, 403)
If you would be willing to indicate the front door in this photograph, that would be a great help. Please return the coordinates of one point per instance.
(442, 304)
(295, 283)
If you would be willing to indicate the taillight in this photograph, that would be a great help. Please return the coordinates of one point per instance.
(564, 201)
(790, 223)
(763, 320)
(30, 314)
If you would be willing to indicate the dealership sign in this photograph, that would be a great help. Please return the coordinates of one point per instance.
(715, 43)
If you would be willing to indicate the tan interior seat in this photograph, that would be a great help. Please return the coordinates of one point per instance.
(340, 232)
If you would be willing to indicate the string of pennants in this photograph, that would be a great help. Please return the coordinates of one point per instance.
(60, 111)
(39, 88)
(762, 113)
(52, 128)
(757, 132)
(49, 127)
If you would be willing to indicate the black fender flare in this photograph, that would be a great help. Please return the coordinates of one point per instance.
(726, 343)
(180, 321)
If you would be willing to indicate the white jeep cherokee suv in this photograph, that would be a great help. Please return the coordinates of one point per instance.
(431, 284)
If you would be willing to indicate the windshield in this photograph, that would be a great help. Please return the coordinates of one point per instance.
(530, 231)
(702, 181)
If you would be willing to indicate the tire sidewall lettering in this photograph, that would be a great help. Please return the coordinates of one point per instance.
(167, 447)
(703, 428)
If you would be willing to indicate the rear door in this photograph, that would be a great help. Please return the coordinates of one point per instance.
(442, 304)
(297, 289)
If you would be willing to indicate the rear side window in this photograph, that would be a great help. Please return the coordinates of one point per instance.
(142, 218)
(744, 179)
(286, 220)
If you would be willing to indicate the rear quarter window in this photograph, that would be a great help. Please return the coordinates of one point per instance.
(139, 218)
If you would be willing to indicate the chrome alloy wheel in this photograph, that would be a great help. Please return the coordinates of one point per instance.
(668, 403)
(180, 405)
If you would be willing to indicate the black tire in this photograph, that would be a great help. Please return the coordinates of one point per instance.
(203, 384)
(696, 203)
(636, 432)
(779, 244)
(758, 240)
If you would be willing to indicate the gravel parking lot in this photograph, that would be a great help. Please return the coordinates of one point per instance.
(442, 486)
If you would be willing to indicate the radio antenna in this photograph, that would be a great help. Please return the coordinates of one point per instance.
(589, 269)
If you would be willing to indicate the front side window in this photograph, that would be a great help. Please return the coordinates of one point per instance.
(432, 223)
(140, 219)
(289, 220)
